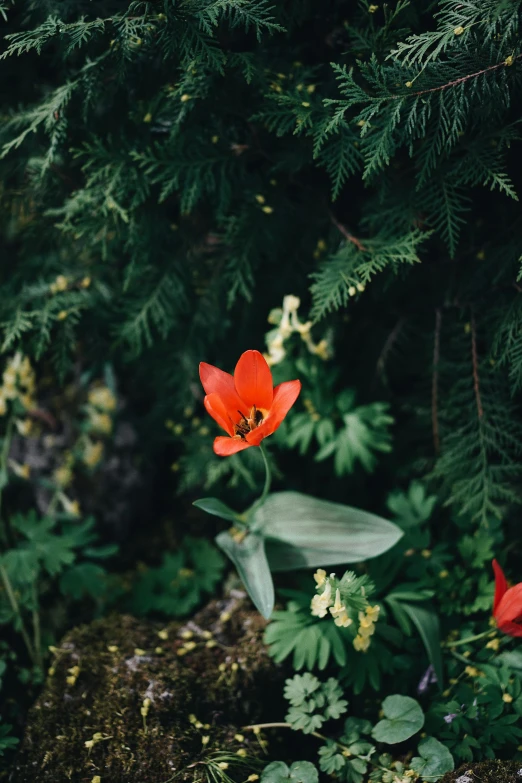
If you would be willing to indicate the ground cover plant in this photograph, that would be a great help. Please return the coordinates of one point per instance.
(303, 220)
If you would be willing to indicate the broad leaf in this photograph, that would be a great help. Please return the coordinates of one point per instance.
(403, 718)
(305, 532)
(299, 772)
(434, 760)
(248, 556)
(217, 508)
(427, 623)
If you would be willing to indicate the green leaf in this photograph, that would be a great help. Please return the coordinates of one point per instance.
(299, 772)
(217, 508)
(305, 532)
(83, 579)
(427, 624)
(434, 760)
(403, 718)
(248, 555)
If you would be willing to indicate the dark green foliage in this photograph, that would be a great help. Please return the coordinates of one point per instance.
(168, 173)
(175, 588)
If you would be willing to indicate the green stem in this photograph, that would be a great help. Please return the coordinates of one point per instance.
(37, 635)
(33, 654)
(268, 476)
(314, 734)
(16, 609)
(469, 639)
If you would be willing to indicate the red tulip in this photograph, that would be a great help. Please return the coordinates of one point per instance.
(246, 405)
(507, 604)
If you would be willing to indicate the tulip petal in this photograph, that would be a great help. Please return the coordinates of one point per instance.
(253, 380)
(215, 381)
(215, 406)
(224, 447)
(284, 397)
(500, 585)
(509, 610)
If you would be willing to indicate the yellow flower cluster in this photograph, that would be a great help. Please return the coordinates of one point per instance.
(366, 629)
(101, 404)
(18, 383)
(287, 322)
(325, 602)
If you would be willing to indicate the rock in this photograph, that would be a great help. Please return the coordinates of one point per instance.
(486, 772)
(127, 700)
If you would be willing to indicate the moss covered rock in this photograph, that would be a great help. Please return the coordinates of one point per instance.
(486, 772)
(127, 700)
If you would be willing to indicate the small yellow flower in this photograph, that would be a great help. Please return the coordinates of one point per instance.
(373, 612)
(241, 752)
(163, 634)
(147, 117)
(61, 283)
(225, 617)
(267, 210)
(320, 577)
(373, 8)
(63, 475)
(86, 281)
(112, 648)
(253, 777)
(89, 744)
(190, 646)
(472, 671)
(507, 698)
(92, 453)
(305, 104)
(214, 139)
(239, 737)
(320, 603)
(211, 643)
(22, 471)
(223, 765)
(443, 574)
(458, 30)
(24, 426)
(408, 84)
(27, 401)
(62, 315)
(96, 779)
(361, 643)
(338, 612)
(139, 652)
(185, 97)
(260, 199)
(205, 740)
(101, 422)
(70, 506)
(494, 644)
(3, 405)
(103, 398)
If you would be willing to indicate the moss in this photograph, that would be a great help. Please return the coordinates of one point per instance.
(223, 681)
(486, 772)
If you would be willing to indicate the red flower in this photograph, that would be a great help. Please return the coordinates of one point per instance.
(246, 405)
(507, 604)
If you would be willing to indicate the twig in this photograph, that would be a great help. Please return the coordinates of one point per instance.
(480, 409)
(388, 345)
(435, 383)
(344, 231)
(461, 79)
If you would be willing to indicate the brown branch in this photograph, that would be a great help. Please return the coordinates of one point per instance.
(435, 383)
(480, 409)
(388, 345)
(344, 231)
(461, 79)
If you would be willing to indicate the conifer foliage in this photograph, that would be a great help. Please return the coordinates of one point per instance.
(184, 165)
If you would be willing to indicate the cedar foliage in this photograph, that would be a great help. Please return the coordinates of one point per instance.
(188, 156)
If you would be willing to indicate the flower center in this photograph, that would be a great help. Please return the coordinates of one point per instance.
(247, 424)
